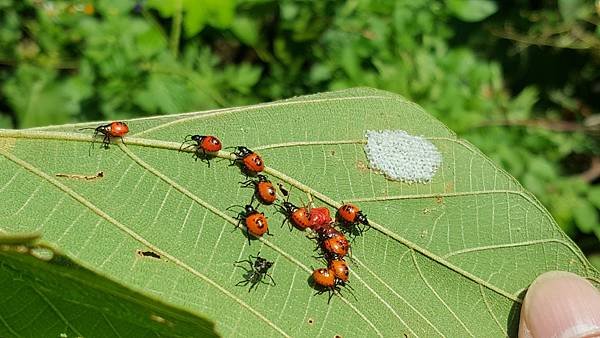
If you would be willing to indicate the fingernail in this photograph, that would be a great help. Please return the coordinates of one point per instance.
(561, 304)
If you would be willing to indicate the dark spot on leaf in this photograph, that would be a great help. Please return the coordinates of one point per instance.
(150, 254)
(311, 321)
(439, 199)
(333, 153)
(337, 336)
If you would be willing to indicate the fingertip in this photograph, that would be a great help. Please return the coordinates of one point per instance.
(560, 304)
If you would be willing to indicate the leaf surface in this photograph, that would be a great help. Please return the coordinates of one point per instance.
(448, 258)
(45, 293)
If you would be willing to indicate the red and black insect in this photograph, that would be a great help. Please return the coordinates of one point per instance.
(263, 189)
(340, 270)
(255, 221)
(248, 160)
(298, 217)
(113, 129)
(335, 247)
(259, 269)
(331, 278)
(206, 146)
(326, 232)
(350, 216)
(325, 281)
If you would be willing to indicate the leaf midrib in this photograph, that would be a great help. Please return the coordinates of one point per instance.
(326, 199)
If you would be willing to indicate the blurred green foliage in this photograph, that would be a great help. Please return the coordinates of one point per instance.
(520, 79)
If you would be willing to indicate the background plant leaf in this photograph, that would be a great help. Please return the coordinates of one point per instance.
(448, 258)
(472, 10)
(45, 293)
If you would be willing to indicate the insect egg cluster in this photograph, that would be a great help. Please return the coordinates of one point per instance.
(401, 156)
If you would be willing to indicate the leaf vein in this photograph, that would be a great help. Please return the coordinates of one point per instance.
(438, 296)
(137, 237)
(399, 297)
(55, 309)
(489, 308)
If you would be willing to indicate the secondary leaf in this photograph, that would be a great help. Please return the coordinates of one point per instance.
(45, 293)
(472, 10)
(447, 258)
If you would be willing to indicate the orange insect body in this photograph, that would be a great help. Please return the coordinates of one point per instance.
(350, 215)
(340, 269)
(300, 218)
(338, 245)
(254, 163)
(249, 160)
(266, 192)
(113, 129)
(297, 216)
(207, 143)
(348, 212)
(263, 189)
(257, 224)
(324, 277)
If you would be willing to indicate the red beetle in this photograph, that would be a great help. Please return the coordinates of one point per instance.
(204, 144)
(263, 189)
(350, 215)
(298, 217)
(335, 247)
(255, 221)
(113, 129)
(250, 161)
(340, 270)
(325, 280)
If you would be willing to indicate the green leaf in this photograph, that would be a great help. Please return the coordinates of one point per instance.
(246, 29)
(448, 258)
(67, 299)
(541, 168)
(472, 10)
(218, 13)
(595, 260)
(573, 9)
(39, 98)
(242, 77)
(594, 196)
(165, 8)
(586, 216)
(520, 108)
